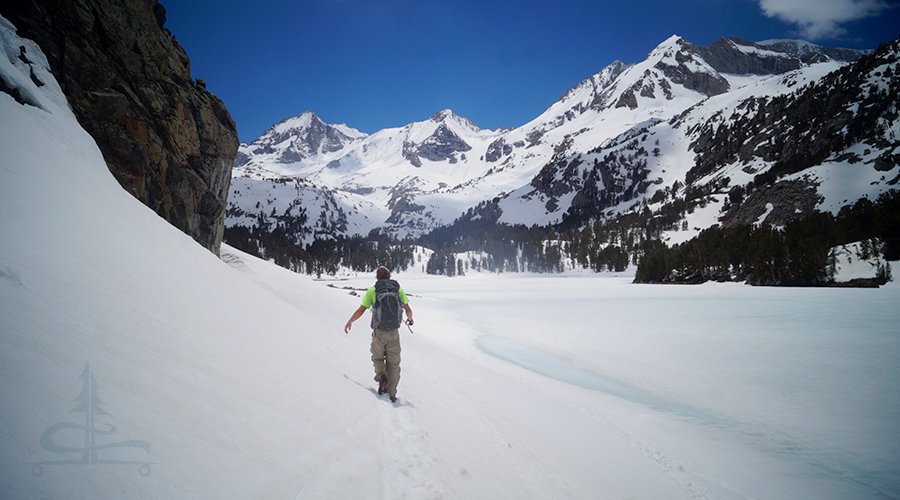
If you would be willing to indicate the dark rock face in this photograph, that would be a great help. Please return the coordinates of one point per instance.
(167, 140)
(780, 203)
(725, 56)
(497, 149)
(683, 74)
(812, 55)
(403, 203)
(441, 145)
(740, 57)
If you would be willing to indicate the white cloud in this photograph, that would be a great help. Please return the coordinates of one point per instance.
(821, 19)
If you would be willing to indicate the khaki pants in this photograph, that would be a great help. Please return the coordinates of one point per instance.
(386, 358)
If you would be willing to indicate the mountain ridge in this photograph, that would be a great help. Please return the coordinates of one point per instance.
(605, 144)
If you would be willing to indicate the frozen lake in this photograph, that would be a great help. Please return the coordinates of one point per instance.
(800, 383)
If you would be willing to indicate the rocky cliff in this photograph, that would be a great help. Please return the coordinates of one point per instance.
(167, 140)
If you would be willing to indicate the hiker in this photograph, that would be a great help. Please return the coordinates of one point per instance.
(389, 302)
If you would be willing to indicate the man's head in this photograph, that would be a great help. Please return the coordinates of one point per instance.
(382, 273)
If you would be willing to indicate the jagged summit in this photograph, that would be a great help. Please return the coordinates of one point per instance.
(295, 122)
(448, 115)
(441, 115)
(307, 120)
(295, 139)
(668, 47)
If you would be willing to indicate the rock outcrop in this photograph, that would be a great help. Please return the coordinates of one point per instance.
(775, 204)
(442, 145)
(165, 138)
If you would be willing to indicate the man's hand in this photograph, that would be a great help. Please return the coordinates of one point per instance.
(356, 315)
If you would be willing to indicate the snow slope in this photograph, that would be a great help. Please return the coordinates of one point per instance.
(232, 378)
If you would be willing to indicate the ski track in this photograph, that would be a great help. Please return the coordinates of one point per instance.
(407, 466)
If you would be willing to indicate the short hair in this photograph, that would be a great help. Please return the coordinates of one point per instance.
(382, 273)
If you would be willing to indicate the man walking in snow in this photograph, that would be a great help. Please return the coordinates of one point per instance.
(388, 301)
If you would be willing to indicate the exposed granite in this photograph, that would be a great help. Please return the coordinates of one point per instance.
(165, 138)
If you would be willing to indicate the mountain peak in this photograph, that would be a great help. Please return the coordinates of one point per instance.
(305, 121)
(673, 43)
(447, 115)
(296, 138)
(442, 115)
(301, 121)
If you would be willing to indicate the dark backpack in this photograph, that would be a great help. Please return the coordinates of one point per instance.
(387, 311)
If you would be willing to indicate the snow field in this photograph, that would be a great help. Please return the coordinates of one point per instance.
(795, 386)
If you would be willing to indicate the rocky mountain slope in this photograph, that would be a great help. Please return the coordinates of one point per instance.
(780, 141)
(736, 119)
(167, 140)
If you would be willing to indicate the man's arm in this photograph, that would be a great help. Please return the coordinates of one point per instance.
(409, 320)
(356, 315)
(405, 300)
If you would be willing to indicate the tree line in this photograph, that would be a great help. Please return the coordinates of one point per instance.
(799, 254)
(324, 256)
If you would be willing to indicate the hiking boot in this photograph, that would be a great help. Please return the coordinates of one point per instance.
(393, 399)
(382, 387)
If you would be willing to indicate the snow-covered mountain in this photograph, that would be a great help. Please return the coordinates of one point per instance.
(296, 139)
(769, 138)
(330, 180)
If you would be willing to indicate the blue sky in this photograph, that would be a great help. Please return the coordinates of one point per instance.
(374, 64)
